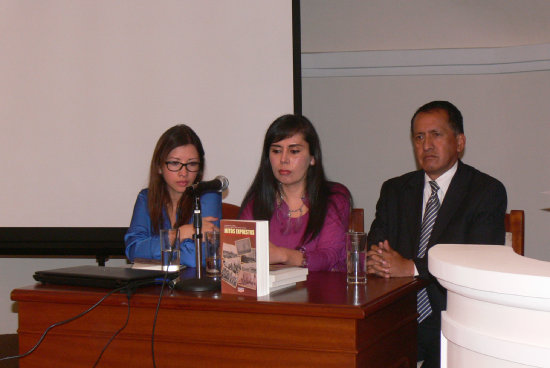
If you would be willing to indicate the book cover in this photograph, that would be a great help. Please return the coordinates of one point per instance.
(245, 257)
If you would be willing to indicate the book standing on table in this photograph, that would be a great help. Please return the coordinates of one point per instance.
(245, 257)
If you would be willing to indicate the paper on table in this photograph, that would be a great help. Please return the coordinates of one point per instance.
(149, 264)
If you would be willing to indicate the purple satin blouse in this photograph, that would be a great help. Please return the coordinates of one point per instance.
(327, 251)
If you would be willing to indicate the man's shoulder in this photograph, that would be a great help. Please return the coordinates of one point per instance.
(464, 170)
(405, 179)
(476, 176)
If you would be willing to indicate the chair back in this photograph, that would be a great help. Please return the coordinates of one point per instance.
(230, 211)
(514, 222)
(357, 220)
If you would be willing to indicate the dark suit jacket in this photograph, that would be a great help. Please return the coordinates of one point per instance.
(472, 212)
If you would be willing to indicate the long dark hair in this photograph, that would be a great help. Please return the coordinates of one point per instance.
(265, 189)
(158, 197)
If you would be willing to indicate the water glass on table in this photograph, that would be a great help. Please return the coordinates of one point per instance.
(169, 250)
(213, 257)
(356, 250)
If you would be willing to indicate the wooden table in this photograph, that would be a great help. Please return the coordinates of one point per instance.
(318, 323)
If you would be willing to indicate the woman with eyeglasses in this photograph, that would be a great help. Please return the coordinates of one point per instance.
(177, 163)
(308, 215)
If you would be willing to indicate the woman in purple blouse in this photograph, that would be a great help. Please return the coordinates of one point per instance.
(308, 215)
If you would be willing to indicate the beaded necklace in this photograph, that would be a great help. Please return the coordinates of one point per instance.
(285, 217)
(290, 212)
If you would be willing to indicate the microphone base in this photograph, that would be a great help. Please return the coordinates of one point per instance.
(203, 284)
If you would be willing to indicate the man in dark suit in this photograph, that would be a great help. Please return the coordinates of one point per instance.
(446, 201)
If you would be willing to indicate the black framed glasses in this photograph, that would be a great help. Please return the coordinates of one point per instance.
(193, 166)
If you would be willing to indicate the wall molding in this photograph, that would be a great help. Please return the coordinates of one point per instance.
(498, 60)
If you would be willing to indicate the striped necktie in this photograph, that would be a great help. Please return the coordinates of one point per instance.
(432, 207)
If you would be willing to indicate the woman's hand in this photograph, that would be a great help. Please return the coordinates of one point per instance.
(208, 224)
(284, 255)
(187, 230)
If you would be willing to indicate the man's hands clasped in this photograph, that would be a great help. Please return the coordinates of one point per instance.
(385, 262)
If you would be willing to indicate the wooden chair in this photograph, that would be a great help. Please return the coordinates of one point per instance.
(230, 211)
(357, 220)
(514, 222)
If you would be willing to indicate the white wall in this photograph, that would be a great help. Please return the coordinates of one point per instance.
(87, 87)
(364, 121)
(364, 128)
(351, 25)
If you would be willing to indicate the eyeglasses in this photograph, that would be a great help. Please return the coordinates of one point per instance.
(177, 166)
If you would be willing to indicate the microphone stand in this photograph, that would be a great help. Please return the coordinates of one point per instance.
(201, 282)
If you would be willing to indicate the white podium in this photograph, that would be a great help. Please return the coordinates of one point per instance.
(498, 307)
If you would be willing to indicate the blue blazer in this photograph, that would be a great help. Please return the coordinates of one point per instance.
(142, 242)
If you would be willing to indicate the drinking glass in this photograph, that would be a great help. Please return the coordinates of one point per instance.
(356, 253)
(169, 250)
(213, 259)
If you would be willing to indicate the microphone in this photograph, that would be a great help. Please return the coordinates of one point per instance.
(218, 184)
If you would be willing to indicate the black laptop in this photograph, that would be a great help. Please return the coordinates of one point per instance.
(98, 276)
